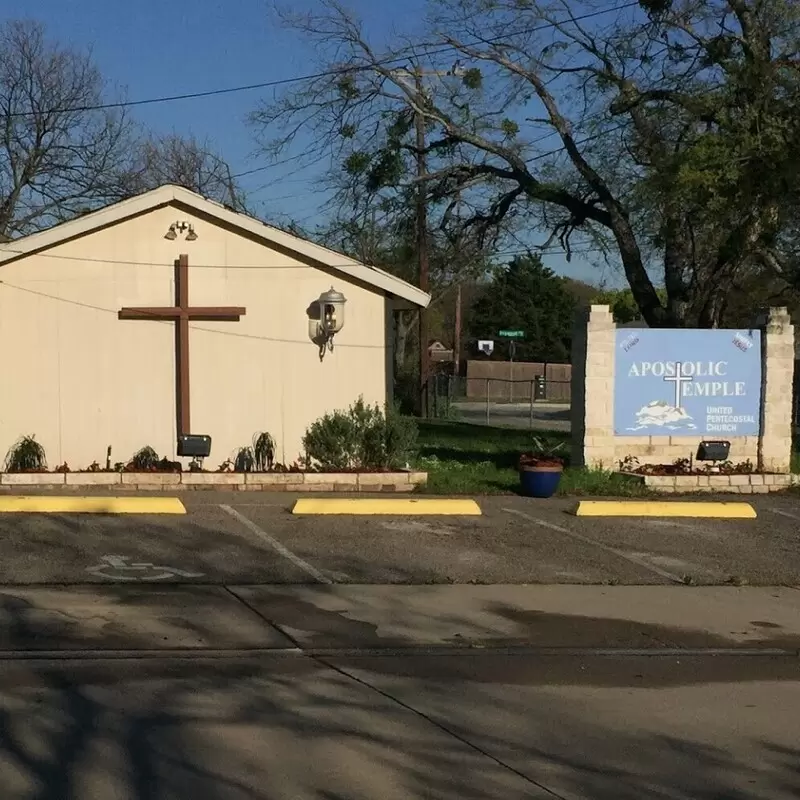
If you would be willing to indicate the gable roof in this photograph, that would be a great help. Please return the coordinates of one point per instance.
(169, 194)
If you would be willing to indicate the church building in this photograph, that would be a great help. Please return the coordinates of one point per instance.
(169, 315)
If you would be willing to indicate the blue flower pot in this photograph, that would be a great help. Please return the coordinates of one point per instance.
(539, 481)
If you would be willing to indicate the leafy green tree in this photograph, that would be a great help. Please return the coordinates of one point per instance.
(388, 241)
(623, 304)
(582, 292)
(665, 136)
(526, 296)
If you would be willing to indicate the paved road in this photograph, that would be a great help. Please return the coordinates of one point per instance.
(150, 694)
(293, 728)
(545, 417)
(239, 653)
(240, 538)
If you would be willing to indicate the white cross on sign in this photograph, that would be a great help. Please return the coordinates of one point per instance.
(678, 379)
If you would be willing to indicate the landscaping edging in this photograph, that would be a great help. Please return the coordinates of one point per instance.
(235, 481)
(733, 484)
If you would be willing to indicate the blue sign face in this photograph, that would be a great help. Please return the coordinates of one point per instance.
(674, 382)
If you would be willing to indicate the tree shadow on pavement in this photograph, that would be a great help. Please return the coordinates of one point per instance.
(273, 731)
(216, 729)
(278, 730)
(290, 727)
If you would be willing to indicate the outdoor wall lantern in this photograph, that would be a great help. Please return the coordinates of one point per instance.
(331, 319)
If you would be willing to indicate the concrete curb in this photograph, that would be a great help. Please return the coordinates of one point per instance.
(48, 504)
(661, 508)
(398, 507)
(410, 651)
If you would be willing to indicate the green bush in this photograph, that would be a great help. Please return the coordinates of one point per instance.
(406, 391)
(361, 438)
(245, 460)
(259, 457)
(26, 455)
(144, 460)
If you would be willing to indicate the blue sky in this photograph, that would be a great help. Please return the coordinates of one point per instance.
(174, 48)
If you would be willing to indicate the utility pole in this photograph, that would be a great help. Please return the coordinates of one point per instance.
(418, 75)
(457, 335)
(422, 243)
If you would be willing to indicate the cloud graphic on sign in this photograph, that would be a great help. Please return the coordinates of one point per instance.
(659, 413)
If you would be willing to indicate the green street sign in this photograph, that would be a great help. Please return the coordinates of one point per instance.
(511, 334)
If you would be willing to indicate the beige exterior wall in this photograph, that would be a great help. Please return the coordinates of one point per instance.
(80, 379)
(594, 443)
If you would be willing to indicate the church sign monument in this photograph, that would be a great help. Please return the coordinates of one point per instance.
(683, 382)
(653, 395)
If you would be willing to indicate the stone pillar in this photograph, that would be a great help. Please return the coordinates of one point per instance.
(777, 378)
(593, 345)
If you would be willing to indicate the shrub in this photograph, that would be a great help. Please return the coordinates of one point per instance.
(361, 438)
(144, 460)
(26, 455)
(400, 439)
(258, 457)
(406, 390)
(263, 452)
(245, 460)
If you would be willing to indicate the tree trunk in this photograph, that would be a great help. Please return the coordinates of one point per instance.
(644, 293)
(404, 323)
(712, 310)
(678, 265)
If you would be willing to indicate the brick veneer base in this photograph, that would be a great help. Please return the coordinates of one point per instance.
(734, 484)
(232, 481)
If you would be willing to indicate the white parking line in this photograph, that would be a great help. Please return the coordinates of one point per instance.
(277, 546)
(631, 557)
(784, 514)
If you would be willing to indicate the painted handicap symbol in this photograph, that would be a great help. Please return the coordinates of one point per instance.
(117, 568)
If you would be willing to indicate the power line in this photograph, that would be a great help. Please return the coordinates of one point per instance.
(540, 156)
(166, 264)
(268, 166)
(105, 310)
(115, 312)
(347, 70)
(188, 96)
(124, 262)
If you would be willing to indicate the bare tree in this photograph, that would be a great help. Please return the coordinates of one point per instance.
(663, 130)
(364, 128)
(58, 151)
(358, 123)
(184, 161)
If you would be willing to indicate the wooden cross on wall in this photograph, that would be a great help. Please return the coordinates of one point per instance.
(182, 313)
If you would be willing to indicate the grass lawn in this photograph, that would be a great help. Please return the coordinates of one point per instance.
(473, 459)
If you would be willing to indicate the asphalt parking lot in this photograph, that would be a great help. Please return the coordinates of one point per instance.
(236, 538)
(167, 656)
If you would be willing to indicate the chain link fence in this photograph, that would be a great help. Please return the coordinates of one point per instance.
(536, 404)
